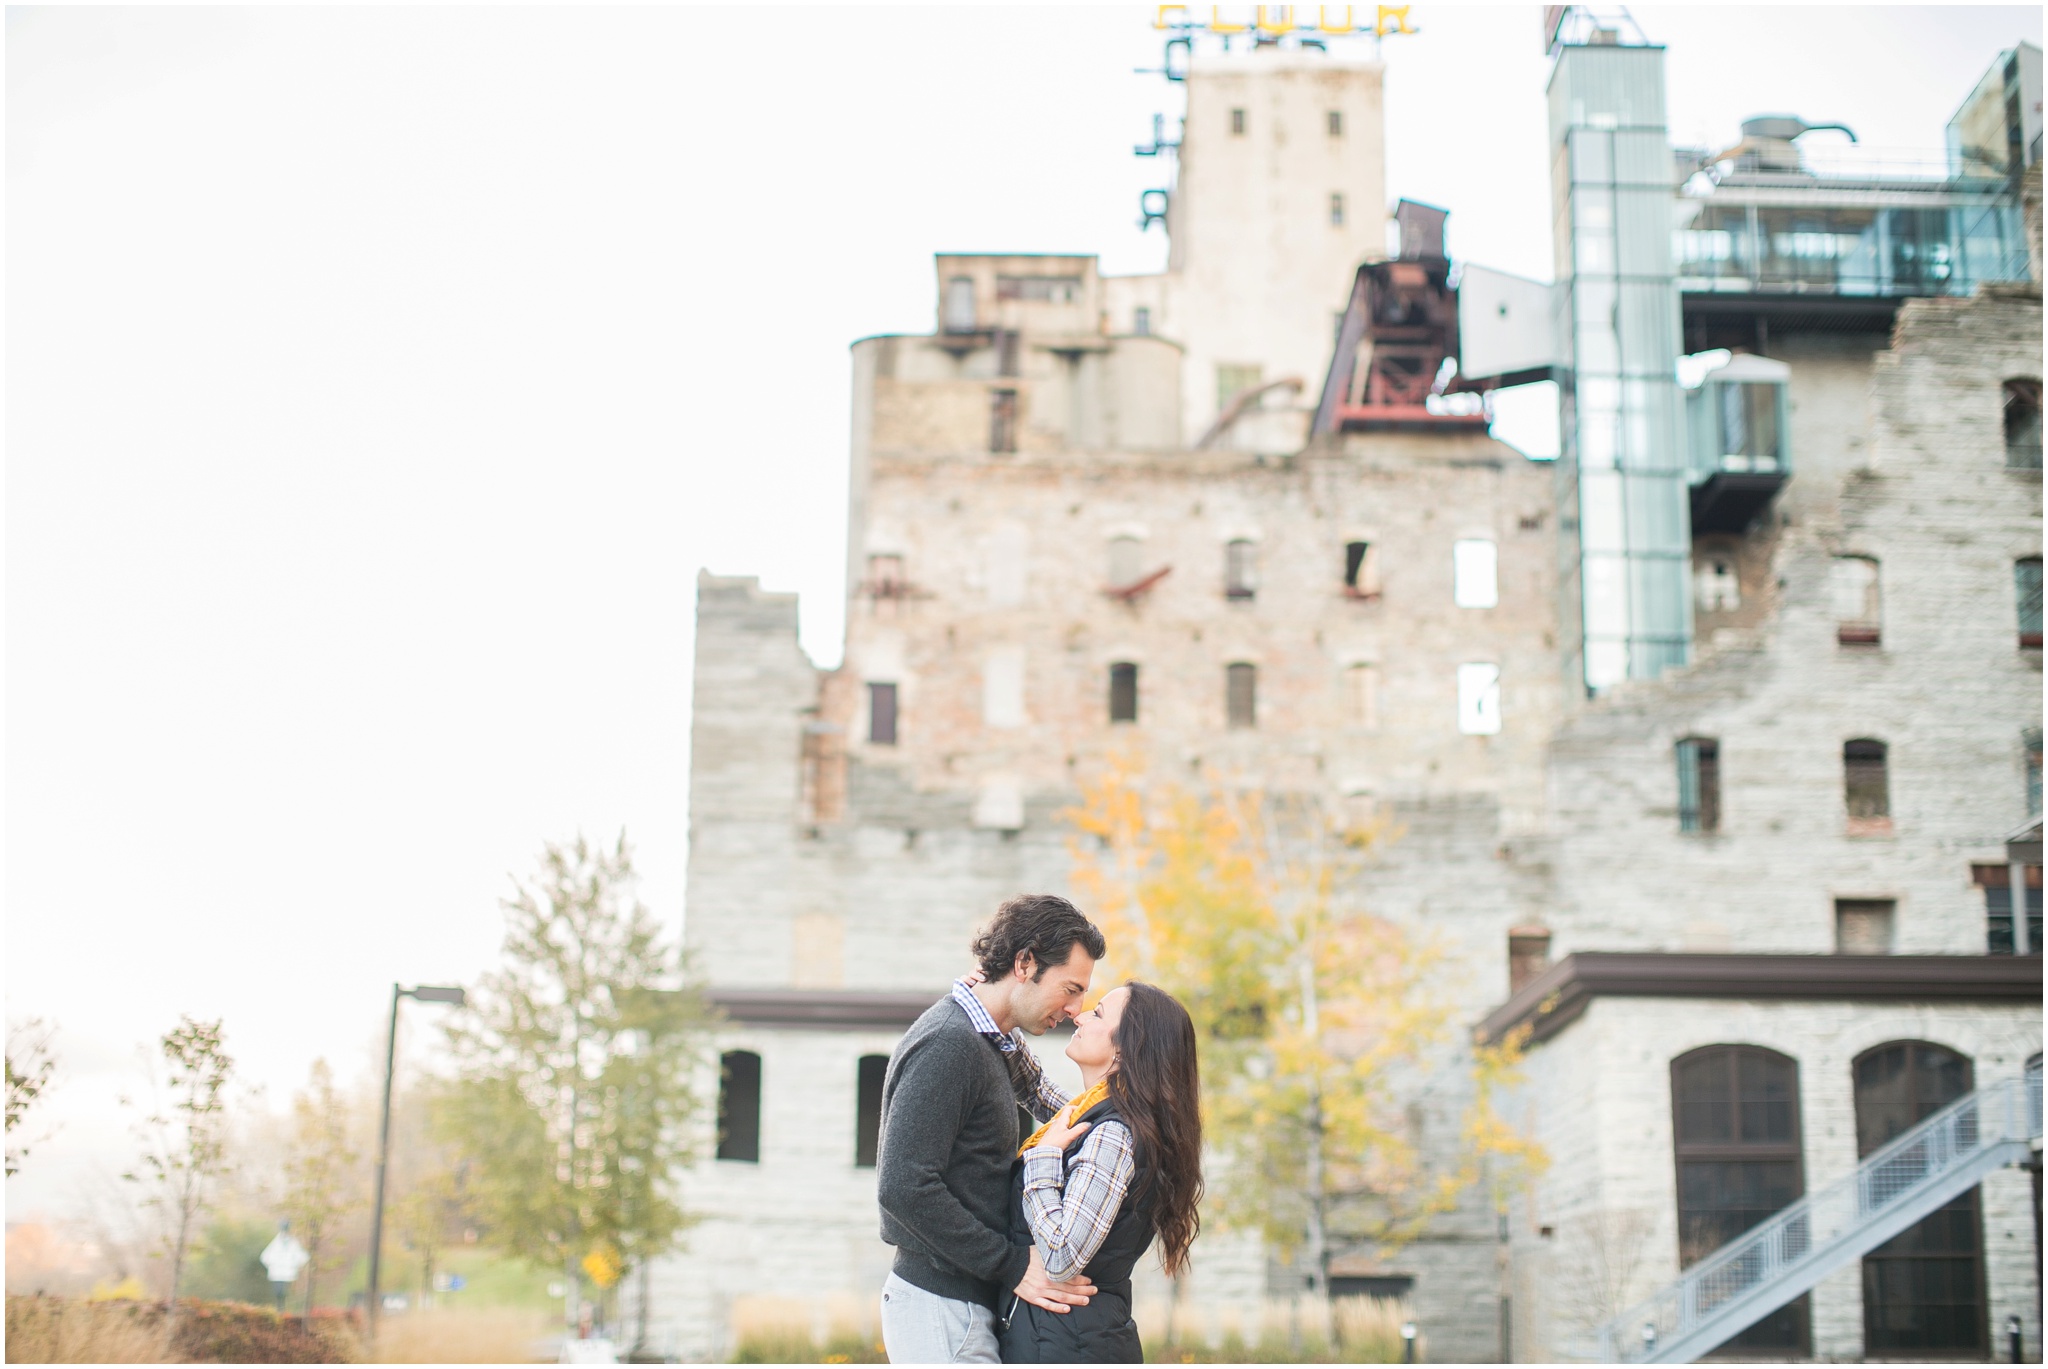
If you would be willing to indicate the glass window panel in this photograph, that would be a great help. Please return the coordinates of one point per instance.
(1642, 228)
(1601, 522)
(1478, 699)
(1606, 596)
(1592, 152)
(1474, 573)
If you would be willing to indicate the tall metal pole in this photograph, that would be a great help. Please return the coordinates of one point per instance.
(383, 1158)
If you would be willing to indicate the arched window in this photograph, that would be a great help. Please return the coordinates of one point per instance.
(1735, 1138)
(739, 1106)
(1923, 1290)
(1241, 694)
(1240, 569)
(1867, 786)
(2023, 423)
(1126, 561)
(867, 1130)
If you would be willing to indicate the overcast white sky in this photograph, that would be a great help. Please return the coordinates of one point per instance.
(379, 379)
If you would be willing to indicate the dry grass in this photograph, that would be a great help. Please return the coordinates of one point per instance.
(55, 1331)
(1281, 1332)
(464, 1335)
(839, 1329)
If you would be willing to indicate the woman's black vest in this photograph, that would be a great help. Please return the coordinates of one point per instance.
(1102, 1332)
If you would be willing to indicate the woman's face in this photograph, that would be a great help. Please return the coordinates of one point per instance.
(1094, 1040)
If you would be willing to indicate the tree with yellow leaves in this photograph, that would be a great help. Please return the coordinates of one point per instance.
(1318, 1020)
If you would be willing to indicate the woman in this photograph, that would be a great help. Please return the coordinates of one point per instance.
(1116, 1167)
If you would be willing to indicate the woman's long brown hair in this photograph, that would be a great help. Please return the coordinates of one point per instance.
(1157, 1086)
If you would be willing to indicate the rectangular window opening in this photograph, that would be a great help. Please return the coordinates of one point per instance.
(739, 1106)
(882, 714)
(1699, 785)
(1866, 784)
(1362, 695)
(1237, 122)
(2026, 581)
(867, 1134)
(1002, 421)
(1141, 321)
(1475, 573)
(1996, 882)
(1478, 699)
(1123, 692)
(1857, 601)
(1336, 210)
(1336, 123)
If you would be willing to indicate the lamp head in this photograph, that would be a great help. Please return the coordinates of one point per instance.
(429, 993)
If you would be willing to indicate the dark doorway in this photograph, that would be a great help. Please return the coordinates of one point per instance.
(739, 1106)
(1923, 1290)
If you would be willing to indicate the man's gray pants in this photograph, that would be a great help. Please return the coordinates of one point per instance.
(923, 1328)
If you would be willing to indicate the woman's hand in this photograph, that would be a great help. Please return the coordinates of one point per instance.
(973, 977)
(1062, 1130)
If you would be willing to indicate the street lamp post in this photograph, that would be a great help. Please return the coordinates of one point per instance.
(425, 993)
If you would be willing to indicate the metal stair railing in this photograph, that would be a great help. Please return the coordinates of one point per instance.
(1905, 1180)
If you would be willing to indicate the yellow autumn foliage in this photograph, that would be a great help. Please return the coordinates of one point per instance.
(1320, 1022)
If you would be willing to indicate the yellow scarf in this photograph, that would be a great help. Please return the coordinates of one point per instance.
(1088, 1098)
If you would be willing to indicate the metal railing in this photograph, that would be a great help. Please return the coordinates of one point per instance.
(1764, 1268)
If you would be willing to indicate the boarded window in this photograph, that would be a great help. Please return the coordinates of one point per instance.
(1240, 569)
(1123, 692)
(1141, 321)
(882, 714)
(1241, 693)
(1858, 605)
(1126, 561)
(2023, 424)
(1336, 210)
(1009, 350)
(1478, 699)
(1863, 926)
(2001, 937)
(1699, 785)
(1528, 955)
(1237, 122)
(960, 305)
(1002, 420)
(1735, 1131)
(1866, 782)
(1008, 563)
(739, 1106)
(1923, 1290)
(1475, 579)
(1002, 687)
(1336, 123)
(1362, 695)
(2026, 583)
(867, 1126)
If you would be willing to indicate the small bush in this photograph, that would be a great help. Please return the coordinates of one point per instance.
(836, 1330)
(59, 1331)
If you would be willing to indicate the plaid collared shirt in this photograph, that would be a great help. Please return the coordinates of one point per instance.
(1072, 1210)
(1036, 1094)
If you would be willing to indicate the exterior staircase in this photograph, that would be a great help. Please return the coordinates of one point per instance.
(1897, 1185)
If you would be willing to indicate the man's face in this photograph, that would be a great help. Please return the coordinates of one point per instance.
(1055, 997)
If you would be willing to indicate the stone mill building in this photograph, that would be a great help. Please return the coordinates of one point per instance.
(1714, 744)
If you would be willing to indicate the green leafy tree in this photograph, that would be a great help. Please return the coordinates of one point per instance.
(29, 1067)
(185, 1151)
(1319, 1021)
(321, 1174)
(574, 1102)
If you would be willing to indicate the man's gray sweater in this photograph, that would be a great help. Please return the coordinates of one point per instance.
(949, 1134)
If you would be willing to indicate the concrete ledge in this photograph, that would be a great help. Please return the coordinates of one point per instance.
(1555, 998)
(829, 1008)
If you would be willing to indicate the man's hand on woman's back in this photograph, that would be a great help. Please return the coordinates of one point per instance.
(1039, 1291)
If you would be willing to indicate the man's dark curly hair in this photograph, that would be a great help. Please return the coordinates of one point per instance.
(1046, 925)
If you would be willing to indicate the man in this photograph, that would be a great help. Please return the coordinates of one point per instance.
(949, 1133)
